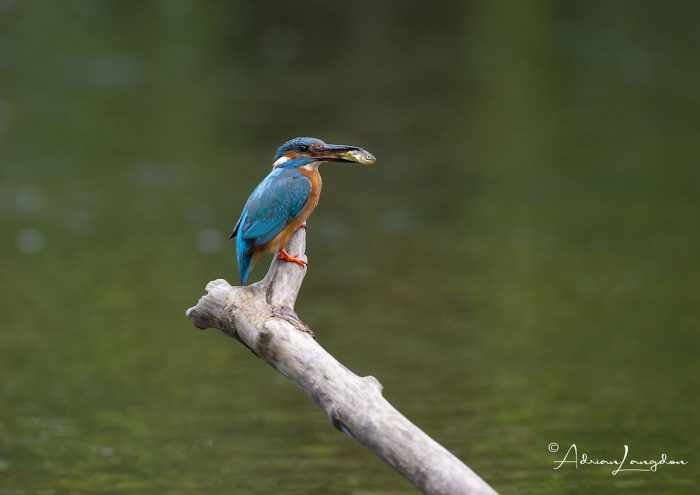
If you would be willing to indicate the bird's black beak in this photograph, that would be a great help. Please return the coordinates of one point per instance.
(344, 153)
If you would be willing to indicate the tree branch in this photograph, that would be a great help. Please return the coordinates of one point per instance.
(262, 317)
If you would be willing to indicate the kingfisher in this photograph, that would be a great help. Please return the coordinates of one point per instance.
(282, 202)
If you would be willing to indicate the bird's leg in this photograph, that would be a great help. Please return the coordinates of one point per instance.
(303, 226)
(285, 256)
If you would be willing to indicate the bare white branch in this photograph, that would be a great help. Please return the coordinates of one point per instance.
(262, 317)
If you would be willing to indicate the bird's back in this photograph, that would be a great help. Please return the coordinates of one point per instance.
(272, 206)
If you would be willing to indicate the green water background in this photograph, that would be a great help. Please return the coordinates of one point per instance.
(520, 267)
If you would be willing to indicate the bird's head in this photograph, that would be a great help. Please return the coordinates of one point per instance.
(302, 151)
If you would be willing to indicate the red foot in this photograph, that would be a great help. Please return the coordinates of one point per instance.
(285, 256)
(303, 226)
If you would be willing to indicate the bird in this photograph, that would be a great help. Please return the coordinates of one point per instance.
(285, 199)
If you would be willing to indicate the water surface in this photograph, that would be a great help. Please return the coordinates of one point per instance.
(519, 268)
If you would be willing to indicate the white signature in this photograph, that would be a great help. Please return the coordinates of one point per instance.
(652, 465)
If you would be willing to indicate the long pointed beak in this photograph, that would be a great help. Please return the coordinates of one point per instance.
(344, 153)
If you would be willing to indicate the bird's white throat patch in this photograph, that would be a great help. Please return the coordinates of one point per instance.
(311, 166)
(280, 161)
(284, 159)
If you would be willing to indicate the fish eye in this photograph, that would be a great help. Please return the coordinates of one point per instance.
(303, 147)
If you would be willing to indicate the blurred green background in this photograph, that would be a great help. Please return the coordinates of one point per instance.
(522, 265)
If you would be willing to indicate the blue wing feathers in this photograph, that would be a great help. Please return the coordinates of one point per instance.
(235, 228)
(277, 200)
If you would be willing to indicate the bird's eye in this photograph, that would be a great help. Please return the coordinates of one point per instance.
(303, 147)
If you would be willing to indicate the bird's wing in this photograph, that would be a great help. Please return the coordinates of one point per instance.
(235, 228)
(273, 205)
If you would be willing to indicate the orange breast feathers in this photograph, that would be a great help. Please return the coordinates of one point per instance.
(281, 240)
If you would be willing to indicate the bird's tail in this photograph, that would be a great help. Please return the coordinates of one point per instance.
(245, 259)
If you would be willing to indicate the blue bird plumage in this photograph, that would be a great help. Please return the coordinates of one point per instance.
(297, 144)
(277, 200)
(283, 201)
